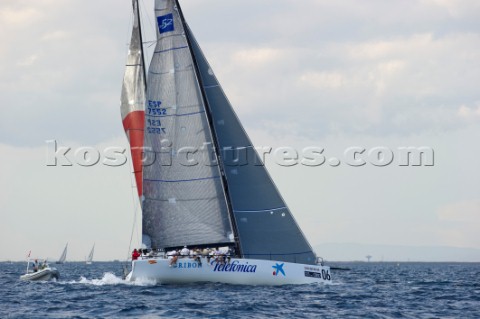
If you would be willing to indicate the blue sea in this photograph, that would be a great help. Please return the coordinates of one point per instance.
(367, 290)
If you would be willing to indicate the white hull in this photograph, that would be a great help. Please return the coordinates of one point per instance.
(41, 275)
(237, 271)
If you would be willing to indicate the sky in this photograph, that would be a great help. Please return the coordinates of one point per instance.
(310, 73)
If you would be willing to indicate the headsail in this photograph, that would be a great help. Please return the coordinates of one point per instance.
(133, 97)
(184, 201)
(266, 228)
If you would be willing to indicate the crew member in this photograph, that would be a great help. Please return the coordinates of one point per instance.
(135, 254)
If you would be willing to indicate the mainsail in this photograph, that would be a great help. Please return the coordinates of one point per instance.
(184, 201)
(203, 182)
(133, 97)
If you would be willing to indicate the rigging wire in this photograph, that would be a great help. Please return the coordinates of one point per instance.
(135, 215)
(146, 16)
(136, 204)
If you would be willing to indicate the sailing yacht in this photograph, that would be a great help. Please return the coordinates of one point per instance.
(89, 259)
(63, 257)
(200, 182)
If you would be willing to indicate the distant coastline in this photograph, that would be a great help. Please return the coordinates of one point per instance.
(351, 252)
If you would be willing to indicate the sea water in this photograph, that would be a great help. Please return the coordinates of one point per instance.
(367, 290)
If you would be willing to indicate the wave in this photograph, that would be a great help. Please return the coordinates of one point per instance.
(109, 279)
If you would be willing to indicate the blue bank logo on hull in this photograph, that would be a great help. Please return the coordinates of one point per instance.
(278, 269)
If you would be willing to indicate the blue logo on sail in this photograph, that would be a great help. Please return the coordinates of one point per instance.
(165, 23)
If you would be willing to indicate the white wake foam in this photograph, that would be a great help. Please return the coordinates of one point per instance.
(110, 279)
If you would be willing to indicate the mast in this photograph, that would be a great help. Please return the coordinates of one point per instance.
(137, 9)
(214, 135)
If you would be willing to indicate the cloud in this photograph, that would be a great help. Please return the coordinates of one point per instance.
(55, 35)
(404, 85)
(16, 17)
(257, 57)
(456, 8)
(471, 113)
(465, 211)
(61, 77)
(459, 223)
(324, 80)
(358, 69)
(28, 61)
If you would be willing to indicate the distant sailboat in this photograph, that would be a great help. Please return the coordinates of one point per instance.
(90, 256)
(63, 257)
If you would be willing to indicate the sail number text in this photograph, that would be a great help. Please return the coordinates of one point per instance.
(155, 109)
(155, 126)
